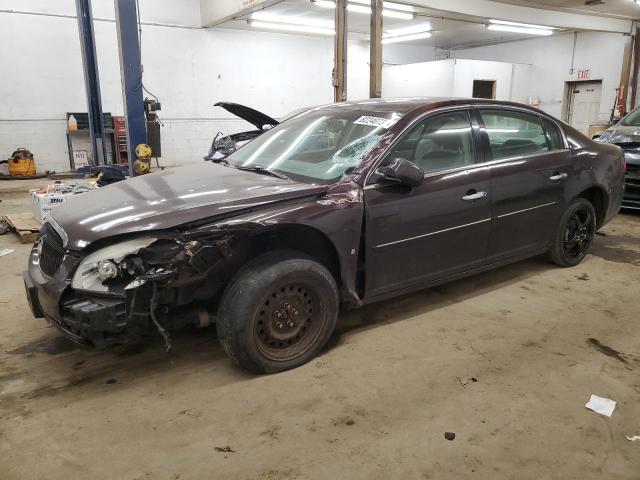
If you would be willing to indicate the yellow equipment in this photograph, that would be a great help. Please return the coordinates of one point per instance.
(22, 163)
(142, 164)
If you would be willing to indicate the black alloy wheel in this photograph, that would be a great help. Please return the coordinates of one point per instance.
(574, 234)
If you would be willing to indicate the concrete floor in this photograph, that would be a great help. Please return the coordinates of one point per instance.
(537, 339)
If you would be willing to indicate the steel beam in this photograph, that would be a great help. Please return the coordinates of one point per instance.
(375, 50)
(636, 67)
(91, 81)
(340, 56)
(131, 75)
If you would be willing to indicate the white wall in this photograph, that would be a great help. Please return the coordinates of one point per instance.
(454, 78)
(188, 68)
(550, 58)
(191, 68)
(434, 79)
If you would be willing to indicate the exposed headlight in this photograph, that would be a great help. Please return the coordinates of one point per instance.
(102, 264)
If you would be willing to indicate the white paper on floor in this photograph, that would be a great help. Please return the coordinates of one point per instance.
(601, 405)
(6, 251)
(635, 438)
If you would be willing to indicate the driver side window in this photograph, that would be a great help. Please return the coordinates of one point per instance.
(441, 142)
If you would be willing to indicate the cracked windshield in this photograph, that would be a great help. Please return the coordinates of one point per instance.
(318, 146)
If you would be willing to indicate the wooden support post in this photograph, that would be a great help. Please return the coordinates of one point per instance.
(375, 50)
(340, 56)
(621, 107)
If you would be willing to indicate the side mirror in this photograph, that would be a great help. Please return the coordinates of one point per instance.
(402, 171)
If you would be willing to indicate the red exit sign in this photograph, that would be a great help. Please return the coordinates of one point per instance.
(584, 74)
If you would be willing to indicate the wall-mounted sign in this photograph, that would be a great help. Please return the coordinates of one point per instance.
(584, 74)
(80, 158)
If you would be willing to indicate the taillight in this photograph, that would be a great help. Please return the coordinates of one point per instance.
(625, 166)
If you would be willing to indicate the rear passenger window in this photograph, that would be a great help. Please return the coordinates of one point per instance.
(440, 142)
(514, 134)
(553, 135)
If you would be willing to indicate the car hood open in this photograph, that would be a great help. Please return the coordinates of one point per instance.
(171, 198)
(254, 117)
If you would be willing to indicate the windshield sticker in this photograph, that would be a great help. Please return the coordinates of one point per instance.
(375, 121)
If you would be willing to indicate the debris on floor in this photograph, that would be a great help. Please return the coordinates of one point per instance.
(226, 449)
(584, 277)
(449, 436)
(607, 350)
(635, 438)
(601, 405)
(464, 381)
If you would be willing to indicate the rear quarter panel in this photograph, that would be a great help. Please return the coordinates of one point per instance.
(596, 165)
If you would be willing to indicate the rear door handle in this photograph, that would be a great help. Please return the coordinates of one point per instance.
(472, 196)
(558, 177)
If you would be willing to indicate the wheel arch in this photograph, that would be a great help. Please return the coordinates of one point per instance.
(600, 201)
(301, 238)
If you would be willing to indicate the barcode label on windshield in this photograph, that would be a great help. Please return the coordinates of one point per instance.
(375, 121)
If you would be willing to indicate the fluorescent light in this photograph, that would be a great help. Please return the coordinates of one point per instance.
(390, 10)
(525, 25)
(394, 14)
(324, 3)
(423, 27)
(530, 31)
(388, 5)
(309, 21)
(288, 27)
(405, 38)
(398, 6)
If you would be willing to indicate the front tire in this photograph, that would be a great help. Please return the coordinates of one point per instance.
(574, 234)
(278, 312)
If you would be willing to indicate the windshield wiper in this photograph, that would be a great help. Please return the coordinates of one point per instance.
(260, 169)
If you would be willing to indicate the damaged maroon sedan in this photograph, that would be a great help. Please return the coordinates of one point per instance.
(345, 204)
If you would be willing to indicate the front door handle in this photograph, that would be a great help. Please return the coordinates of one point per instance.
(558, 177)
(472, 196)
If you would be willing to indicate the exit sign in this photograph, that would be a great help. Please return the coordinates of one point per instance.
(584, 74)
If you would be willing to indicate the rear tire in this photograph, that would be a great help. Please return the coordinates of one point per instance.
(278, 312)
(574, 234)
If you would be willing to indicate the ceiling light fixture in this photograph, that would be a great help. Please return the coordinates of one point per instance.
(523, 25)
(389, 5)
(289, 27)
(423, 27)
(390, 10)
(310, 21)
(405, 38)
(529, 31)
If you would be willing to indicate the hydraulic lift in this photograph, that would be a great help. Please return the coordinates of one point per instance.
(137, 111)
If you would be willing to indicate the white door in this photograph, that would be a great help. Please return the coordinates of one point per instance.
(585, 105)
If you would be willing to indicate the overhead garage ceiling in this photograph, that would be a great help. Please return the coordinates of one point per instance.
(449, 30)
(614, 8)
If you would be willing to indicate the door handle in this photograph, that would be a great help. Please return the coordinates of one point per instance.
(557, 177)
(472, 196)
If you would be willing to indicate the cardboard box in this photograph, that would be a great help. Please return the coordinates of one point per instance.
(42, 201)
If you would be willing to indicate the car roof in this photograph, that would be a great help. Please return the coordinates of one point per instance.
(403, 105)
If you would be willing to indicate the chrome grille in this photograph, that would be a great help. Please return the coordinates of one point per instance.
(51, 250)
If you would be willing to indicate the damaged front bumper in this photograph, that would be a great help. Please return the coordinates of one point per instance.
(88, 320)
(162, 286)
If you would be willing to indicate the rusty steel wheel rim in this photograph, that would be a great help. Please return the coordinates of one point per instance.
(288, 321)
